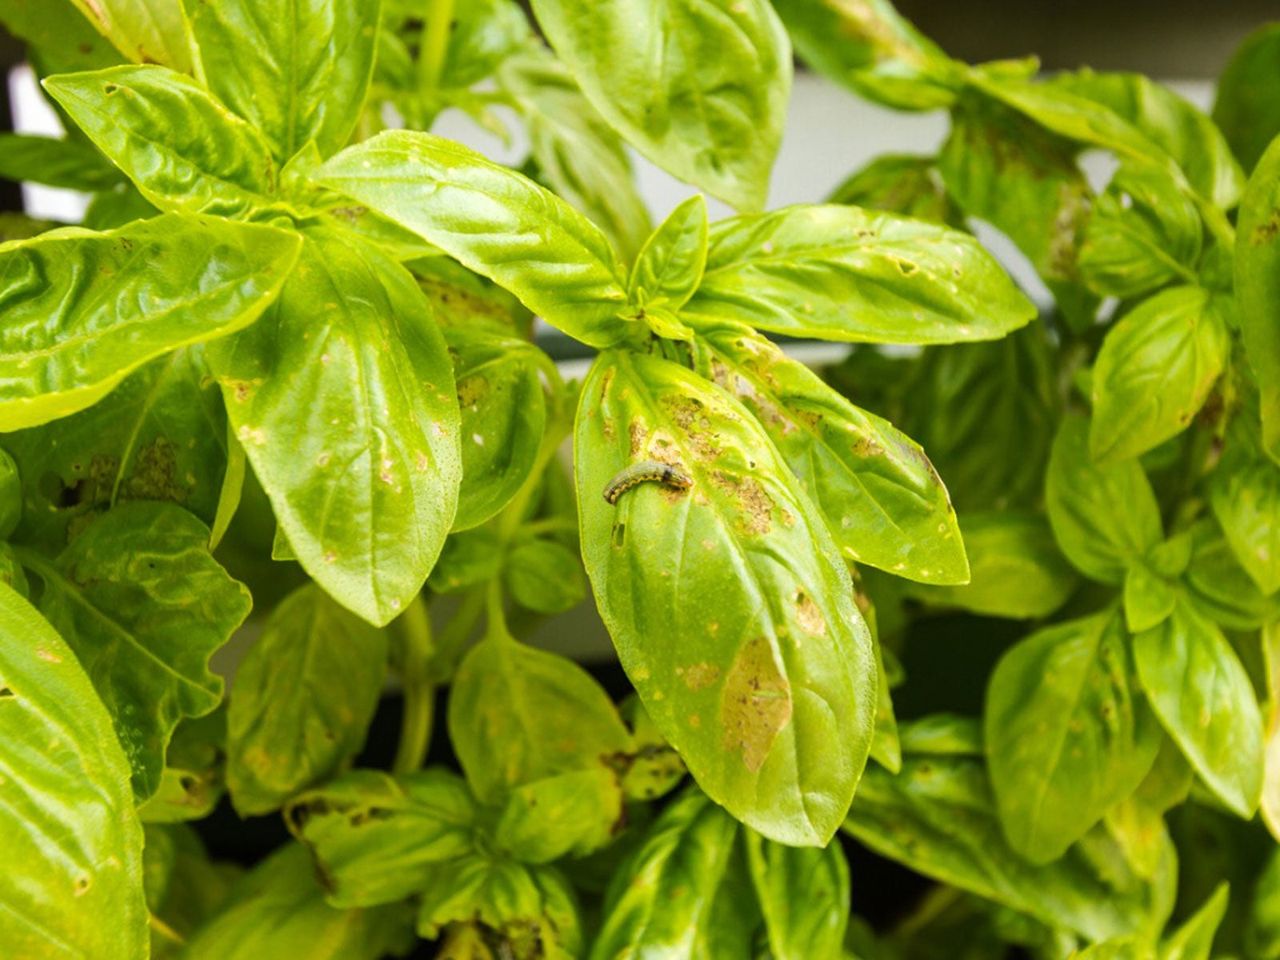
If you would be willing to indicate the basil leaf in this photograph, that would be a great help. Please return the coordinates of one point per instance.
(872, 49)
(1015, 568)
(484, 34)
(653, 767)
(78, 889)
(683, 893)
(1193, 940)
(728, 603)
(68, 164)
(378, 840)
(573, 813)
(504, 413)
(160, 435)
(803, 894)
(277, 911)
(1148, 597)
(1171, 123)
(1155, 370)
(1262, 930)
(1145, 232)
(143, 605)
(1105, 517)
(495, 222)
(184, 887)
(840, 273)
(290, 729)
(1068, 733)
(901, 183)
(701, 89)
(532, 910)
(670, 265)
(1245, 495)
(297, 72)
(1202, 695)
(1257, 284)
(938, 817)
(1219, 587)
(545, 576)
(145, 31)
(884, 503)
(186, 152)
(517, 715)
(367, 493)
(57, 36)
(971, 404)
(192, 781)
(83, 310)
(1036, 195)
(1246, 109)
(577, 153)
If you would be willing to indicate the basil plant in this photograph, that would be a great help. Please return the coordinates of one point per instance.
(280, 406)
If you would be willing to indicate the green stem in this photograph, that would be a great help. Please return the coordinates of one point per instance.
(434, 44)
(414, 629)
(457, 632)
(497, 615)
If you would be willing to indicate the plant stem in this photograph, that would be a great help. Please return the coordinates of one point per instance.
(414, 629)
(434, 44)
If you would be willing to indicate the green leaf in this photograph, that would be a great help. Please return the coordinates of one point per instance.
(803, 894)
(840, 273)
(1193, 940)
(670, 265)
(504, 414)
(495, 222)
(68, 164)
(1015, 567)
(545, 576)
(160, 435)
(483, 36)
(1171, 123)
(145, 31)
(277, 911)
(683, 893)
(1148, 598)
(186, 152)
(728, 602)
(1262, 930)
(701, 89)
(1245, 495)
(573, 814)
(1203, 697)
(1035, 194)
(870, 48)
(969, 405)
(1218, 586)
(193, 779)
(83, 310)
(1105, 517)
(1257, 284)
(577, 153)
(886, 748)
(290, 729)
(1144, 232)
(938, 817)
(143, 605)
(532, 910)
(1247, 107)
(900, 183)
(366, 491)
(376, 840)
(517, 714)
(884, 503)
(654, 767)
(75, 883)
(1068, 733)
(297, 72)
(57, 36)
(184, 887)
(1155, 370)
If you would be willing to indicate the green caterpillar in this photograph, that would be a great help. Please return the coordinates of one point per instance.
(646, 471)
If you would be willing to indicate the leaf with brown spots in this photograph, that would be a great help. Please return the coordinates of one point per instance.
(883, 501)
(1257, 276)
(728, 602)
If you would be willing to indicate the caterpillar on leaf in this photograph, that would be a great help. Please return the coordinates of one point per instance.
(646, 471)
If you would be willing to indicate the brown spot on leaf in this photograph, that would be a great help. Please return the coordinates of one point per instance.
(639, 434)
(809, 616)
(755, 704)
(471, 390)
(699, 676)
